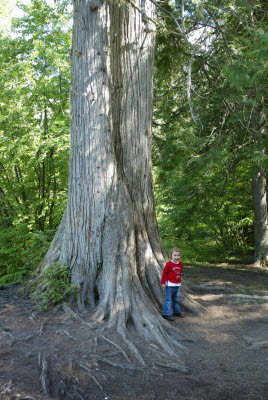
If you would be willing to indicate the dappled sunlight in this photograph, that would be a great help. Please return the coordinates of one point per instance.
(148, 253)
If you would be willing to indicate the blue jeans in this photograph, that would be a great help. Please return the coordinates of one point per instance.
(172, 297)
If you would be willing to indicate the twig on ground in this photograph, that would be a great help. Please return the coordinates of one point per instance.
(70, 368)
(66, 333)
(10, 343)
(8, 334)
(64, 321)
(153, 396)
(24, 339)
(32, 317)
(6, 388)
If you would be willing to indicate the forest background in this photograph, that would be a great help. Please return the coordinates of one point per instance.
(209, 141)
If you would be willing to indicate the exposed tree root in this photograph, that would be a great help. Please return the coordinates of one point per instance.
(143, 366)
(76, 389)
(261, 262)
(62, 390)
(254, 344)
(132, 347)
(122, 366)
(246, 297)
(149, 323)
(45, 381)
(152, 325)
(90, 374)
(174, 366)
(42, 327)
(117, 346)
(158, 329)
(69, 311)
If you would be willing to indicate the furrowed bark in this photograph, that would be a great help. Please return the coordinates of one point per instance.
(109, 236)
(259, 194)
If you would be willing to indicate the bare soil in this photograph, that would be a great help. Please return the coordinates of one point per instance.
(54, 355)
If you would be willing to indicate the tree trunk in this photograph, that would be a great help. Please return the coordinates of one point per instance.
(109, 235)
(259, 195)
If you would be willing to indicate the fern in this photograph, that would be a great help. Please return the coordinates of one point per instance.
(56, 287)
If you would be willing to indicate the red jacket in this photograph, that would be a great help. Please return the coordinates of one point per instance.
(172, 273)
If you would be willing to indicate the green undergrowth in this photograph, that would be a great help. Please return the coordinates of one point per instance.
(55, 288)
(21, 252)
(201, 251)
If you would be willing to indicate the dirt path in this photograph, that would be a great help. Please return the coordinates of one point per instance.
(75, 363)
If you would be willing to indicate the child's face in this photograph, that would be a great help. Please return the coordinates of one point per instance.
(176, 255)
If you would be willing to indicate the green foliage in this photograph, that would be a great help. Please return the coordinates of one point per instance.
(202, 171)
(56, 287)
(34, 134)
(21, 252)
(34, 116)
(204, 250)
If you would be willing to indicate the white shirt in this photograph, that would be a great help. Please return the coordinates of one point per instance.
(173, 284)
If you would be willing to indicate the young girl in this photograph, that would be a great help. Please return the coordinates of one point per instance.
(171, 279)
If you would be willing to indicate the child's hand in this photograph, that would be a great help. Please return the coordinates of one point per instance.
(164, 285)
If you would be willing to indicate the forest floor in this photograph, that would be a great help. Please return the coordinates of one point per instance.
(54, 352)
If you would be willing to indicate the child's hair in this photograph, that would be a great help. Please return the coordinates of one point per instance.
(173, 250)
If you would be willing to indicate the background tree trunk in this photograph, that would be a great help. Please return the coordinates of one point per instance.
(259, 192)
(259, 195)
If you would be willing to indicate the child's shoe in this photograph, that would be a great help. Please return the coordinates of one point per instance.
(179, 315)
(168, 317)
